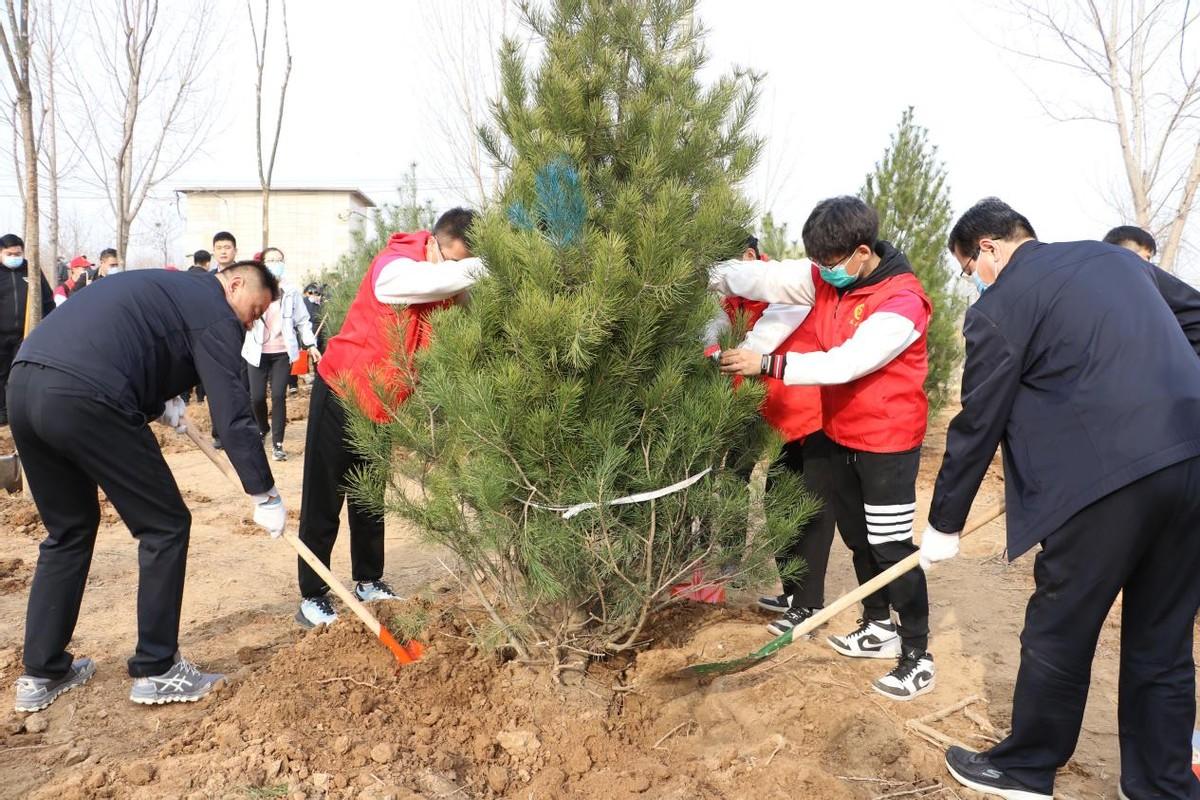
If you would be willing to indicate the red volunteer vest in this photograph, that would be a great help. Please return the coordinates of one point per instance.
(362, 355)
(887, 410)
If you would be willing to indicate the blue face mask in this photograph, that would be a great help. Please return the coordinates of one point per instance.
(979, 284)
(837, 276)
(276, 268)
(14, 262)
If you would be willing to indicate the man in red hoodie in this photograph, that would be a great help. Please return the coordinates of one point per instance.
(795, 412)
(415, 274)
(870, 317)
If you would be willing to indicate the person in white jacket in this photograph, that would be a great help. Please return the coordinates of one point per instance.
(272, 345)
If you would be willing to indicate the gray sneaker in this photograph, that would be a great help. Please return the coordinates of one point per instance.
(34, 694)
(182, 683)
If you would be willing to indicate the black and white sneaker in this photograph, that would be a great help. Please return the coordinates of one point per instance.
(974, 771)
(316, 611)
(278, 452)
(34, 694)
(778, 604)
(217, 443)
(791, 619)
(912, 677)
(374, 590)
(182, 683)
(873, 638)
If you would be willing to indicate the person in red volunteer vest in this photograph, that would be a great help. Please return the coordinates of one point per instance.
(795, 412)
(412, 276)
(870, 316)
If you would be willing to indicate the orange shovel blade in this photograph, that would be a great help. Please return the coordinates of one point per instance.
(405, 652)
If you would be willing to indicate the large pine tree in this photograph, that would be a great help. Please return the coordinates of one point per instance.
(575, 373)
(908, 188)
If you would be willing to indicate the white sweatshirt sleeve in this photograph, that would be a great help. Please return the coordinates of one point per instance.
(879, 339)
(405, 282)
(715, 327)
(788, 281)
(777, 322)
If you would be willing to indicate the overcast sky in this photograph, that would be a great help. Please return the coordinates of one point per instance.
(370, 82)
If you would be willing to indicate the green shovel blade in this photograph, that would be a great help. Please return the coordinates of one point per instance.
(715, 668)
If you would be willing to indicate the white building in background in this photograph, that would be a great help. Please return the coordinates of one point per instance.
(312, 226)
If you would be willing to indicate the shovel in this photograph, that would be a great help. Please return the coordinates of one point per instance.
(716, 668)
(405, 652)
(10, 473)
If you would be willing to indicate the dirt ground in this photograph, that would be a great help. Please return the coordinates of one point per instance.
(325, 715)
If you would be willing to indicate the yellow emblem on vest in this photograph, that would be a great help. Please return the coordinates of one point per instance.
(858, 312)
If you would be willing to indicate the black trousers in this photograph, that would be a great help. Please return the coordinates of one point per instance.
(273, 367)
(809, 458)
(70, 441)
(9, 344)
(1142, 540)
(874, 499)
(328, 460)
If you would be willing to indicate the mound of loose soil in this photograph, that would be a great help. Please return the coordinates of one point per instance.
(334, 718)
(14, 575)
(19, 515)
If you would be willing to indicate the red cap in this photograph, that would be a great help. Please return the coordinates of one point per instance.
(79, 261)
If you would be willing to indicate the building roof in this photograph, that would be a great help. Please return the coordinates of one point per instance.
(355, 193)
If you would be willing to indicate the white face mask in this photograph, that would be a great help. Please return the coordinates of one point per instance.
(14, 262)
(114, 269)
(276, 268)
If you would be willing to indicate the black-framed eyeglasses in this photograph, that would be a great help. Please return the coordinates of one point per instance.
(968, 273)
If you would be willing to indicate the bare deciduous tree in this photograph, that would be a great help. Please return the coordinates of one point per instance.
(471, 29)
(267, 169)
(142, 99)
(16, 42)
(52, 39)
(1138, 51)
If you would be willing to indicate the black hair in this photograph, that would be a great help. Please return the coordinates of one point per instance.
(11, 240)
(106, 252)
(454, 223)
(265, 277)
(990, 218)
(269, 249)
(752, 244)
(837, 226)
(202, 256)
(1132, 233)
(224, 236)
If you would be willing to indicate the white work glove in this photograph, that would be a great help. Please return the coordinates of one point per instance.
(937, 546)
(269, 513)
(172, 415)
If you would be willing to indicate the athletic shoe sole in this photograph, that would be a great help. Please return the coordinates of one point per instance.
(773, 607)
(887, 652)
(31, 707)
(904, 698)
(158, 700)
(305, 622)
(991, 791)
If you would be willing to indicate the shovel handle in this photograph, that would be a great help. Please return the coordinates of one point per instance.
(881, 580)
(344, 594)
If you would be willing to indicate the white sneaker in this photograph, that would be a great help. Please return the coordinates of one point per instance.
(912, 677)
(316, 611)
(872, 639)
(374, 590)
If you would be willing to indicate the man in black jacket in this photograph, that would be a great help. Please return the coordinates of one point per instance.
(14, 289)
(1081, 362)
(80, 408)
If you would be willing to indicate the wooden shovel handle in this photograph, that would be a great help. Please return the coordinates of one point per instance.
(881, 580)
(344, 594)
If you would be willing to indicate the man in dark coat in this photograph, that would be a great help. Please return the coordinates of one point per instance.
(14, 289)
(80, 405)
(1080, 361)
